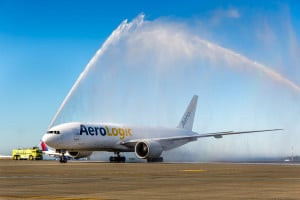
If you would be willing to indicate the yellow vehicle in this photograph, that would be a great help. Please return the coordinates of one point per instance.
(33, 153)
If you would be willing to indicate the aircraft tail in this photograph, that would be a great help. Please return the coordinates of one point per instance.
(187, 119)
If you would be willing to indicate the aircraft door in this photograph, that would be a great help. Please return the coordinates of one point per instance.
(76, 135)
(78, 139)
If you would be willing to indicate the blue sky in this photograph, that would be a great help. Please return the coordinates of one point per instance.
(45, 45)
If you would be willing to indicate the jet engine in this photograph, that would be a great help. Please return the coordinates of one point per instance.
(80, 154)
(148, 149)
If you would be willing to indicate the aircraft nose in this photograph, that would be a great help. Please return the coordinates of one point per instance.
(51, 140)
(46, 139)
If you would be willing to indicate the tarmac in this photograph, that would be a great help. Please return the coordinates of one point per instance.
(98, 180)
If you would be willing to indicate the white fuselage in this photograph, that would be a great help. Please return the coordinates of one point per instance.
(81, 139)
(107, 137)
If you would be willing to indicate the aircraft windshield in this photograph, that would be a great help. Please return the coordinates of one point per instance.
(53, 132)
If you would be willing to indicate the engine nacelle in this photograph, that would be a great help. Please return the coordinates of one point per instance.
(148, 149)
(80, 154)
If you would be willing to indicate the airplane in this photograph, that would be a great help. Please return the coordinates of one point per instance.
(81, 139)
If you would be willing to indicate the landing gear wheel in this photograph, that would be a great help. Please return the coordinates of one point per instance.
(160, 159)
(117, 158)
(63, 158)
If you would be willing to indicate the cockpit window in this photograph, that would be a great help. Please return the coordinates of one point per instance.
(53, 132)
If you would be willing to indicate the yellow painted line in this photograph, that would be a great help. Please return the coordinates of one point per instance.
(192, 170)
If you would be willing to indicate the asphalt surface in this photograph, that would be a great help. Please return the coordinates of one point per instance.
(95, 180)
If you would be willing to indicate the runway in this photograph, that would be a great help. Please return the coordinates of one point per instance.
(96, 180)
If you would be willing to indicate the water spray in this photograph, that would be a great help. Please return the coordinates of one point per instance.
(115, 36)
(154, 35)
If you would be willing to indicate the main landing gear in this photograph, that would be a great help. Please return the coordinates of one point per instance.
(117, 158)
(160, 159)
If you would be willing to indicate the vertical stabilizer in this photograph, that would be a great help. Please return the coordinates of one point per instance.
(187, 119)
(44, 146)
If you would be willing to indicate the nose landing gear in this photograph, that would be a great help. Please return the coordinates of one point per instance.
(117, 158)
(63, 158)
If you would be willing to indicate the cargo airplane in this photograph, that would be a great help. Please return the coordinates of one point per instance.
(81, 139)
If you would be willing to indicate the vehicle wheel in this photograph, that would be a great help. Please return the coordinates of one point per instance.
(18, 158)
(15, 157)
(30, 157)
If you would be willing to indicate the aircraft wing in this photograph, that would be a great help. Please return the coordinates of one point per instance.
(52, 154)
(220, 134)
(5, 157)
(194, 137)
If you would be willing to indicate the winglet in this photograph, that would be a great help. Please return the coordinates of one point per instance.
(187, 119)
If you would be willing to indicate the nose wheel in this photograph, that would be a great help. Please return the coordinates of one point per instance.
(117, 158)
(63, 158)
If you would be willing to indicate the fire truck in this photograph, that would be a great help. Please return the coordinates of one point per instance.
(33, 153)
